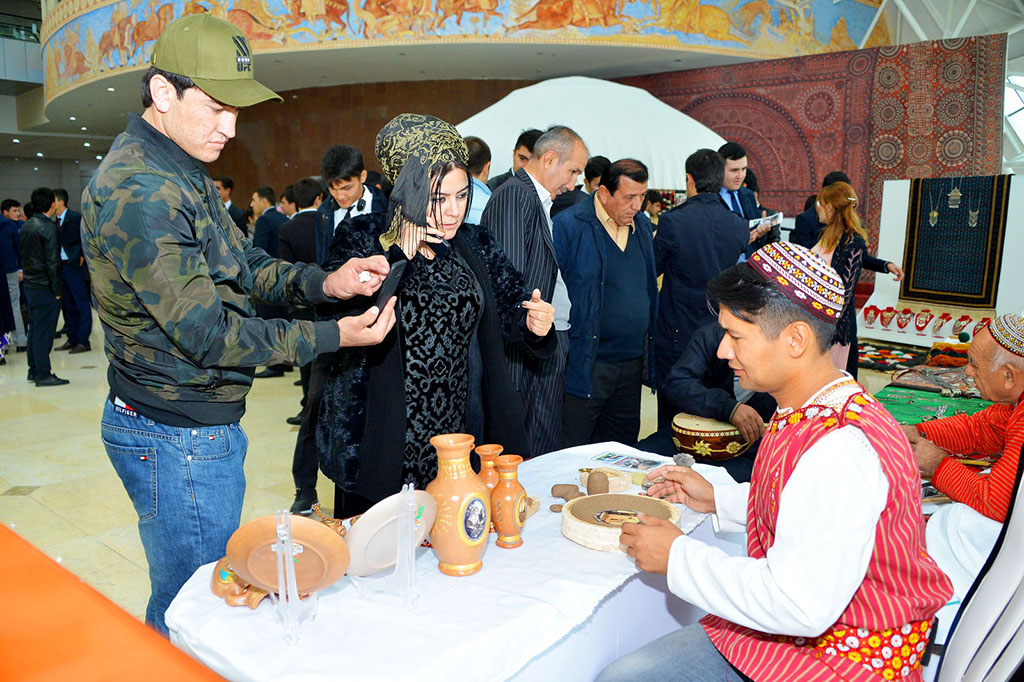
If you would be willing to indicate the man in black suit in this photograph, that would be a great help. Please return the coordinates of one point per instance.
(265, 236)
(696, 240)
(225, 186)
(807, 229)
(75, 301)
(297, 240)
(519, 215)
(521, 153)
(592, 173)
(343, 172)
(739, 199)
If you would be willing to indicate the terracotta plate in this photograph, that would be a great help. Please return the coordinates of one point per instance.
(372, 539)
(321, 555)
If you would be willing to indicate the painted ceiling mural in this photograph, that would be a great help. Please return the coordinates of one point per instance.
(87, 39)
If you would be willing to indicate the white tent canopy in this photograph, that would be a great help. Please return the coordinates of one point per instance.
(614, 120)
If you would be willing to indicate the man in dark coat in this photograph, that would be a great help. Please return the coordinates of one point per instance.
(519, 216)
(298, 245)
(75, 302)
(10, 266)
(265, 236)
(606, 256)
(39, 244)
(225, 186)
(702, 384)
(343, 173)
(695, 241)
(741, 200)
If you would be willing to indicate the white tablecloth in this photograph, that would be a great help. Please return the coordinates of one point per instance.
(530, 611)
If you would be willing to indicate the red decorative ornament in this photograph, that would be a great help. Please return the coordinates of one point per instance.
(939, 323)
(870, 315)
(961, 323)
(887, 316)
(922, 319)
(982, 323)
(903, 318)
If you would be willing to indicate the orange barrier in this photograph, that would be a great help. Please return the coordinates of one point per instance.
(55, 627)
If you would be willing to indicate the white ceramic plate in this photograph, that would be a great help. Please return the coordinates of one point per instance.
(372, 539)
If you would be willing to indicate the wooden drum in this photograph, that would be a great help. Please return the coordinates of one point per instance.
(707, 440)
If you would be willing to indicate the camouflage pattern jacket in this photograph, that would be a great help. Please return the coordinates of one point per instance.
(172, 278)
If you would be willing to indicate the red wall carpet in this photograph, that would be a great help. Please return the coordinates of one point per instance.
(907, 111)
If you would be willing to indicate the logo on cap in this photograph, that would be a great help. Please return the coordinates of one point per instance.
(243, 56)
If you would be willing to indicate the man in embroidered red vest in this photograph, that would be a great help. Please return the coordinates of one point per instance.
(997, 366)
(837, 583)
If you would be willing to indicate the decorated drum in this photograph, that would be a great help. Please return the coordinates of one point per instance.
(707, 440)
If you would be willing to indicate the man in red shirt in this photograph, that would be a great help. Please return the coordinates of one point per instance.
(997, 366)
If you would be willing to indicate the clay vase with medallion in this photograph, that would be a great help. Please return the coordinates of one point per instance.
(508, 500)
(459, 533)
(488, 474)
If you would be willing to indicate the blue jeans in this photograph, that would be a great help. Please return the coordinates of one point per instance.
(686, 655)
(187, 486)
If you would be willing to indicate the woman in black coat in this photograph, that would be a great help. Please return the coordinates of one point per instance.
(442, 368)
(843, 245)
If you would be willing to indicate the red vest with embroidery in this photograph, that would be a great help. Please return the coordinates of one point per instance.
(885, 628)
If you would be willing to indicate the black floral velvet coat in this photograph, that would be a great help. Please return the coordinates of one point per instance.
(362, 423)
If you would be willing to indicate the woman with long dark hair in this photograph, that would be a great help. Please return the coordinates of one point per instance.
(843, 244)
(442, 368)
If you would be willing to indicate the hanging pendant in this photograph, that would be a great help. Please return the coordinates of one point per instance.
(933, 218)
(972, 217)
(954, 198)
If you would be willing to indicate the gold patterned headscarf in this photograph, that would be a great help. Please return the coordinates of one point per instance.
(409, 148)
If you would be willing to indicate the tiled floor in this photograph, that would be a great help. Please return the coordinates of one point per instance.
(59, 491)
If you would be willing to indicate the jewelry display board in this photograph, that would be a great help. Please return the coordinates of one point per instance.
(886, 316)
(954, 238)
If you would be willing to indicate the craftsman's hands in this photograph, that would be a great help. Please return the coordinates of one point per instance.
(928, 455)
(649, 542)
(896, 271)
(913, 435)
(348, 280)
(683, 485)
(367, 329)
(540, 315)
(748, 421)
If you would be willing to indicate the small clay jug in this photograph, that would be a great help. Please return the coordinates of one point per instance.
(508, 499)
(459, 532)
(488, 474)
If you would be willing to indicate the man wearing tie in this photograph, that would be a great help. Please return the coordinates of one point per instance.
(75, 302)
(738, 198)
(343, 173)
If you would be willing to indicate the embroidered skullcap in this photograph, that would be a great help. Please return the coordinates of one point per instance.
(802, 276)
(1008, 331)
(408, 148)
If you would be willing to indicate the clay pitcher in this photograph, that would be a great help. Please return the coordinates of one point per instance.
(459, 533)
(488, 474)
(508, 499)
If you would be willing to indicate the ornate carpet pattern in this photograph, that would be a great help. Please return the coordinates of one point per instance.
(908, 111)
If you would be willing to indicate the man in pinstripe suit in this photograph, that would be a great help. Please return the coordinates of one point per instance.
(519, 215)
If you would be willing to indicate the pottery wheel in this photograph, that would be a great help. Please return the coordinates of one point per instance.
(595, 521)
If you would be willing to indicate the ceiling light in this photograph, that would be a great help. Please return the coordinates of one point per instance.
(16, 141)
(99, 156)
(72, 118)
(84, 128)
(35, 168)
(110, 89)
(39, 153)
(86, 144)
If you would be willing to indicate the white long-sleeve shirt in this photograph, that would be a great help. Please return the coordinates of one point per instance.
(825, 534)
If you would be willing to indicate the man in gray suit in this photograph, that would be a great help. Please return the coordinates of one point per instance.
(519, 215)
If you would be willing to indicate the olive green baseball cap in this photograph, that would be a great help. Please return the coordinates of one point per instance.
(216, 55)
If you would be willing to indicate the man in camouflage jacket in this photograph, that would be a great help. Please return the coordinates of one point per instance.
(172, 281)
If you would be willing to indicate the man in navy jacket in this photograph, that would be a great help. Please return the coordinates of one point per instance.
(696, 241)
(10, 265)
(605, 251)
(741, 200)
